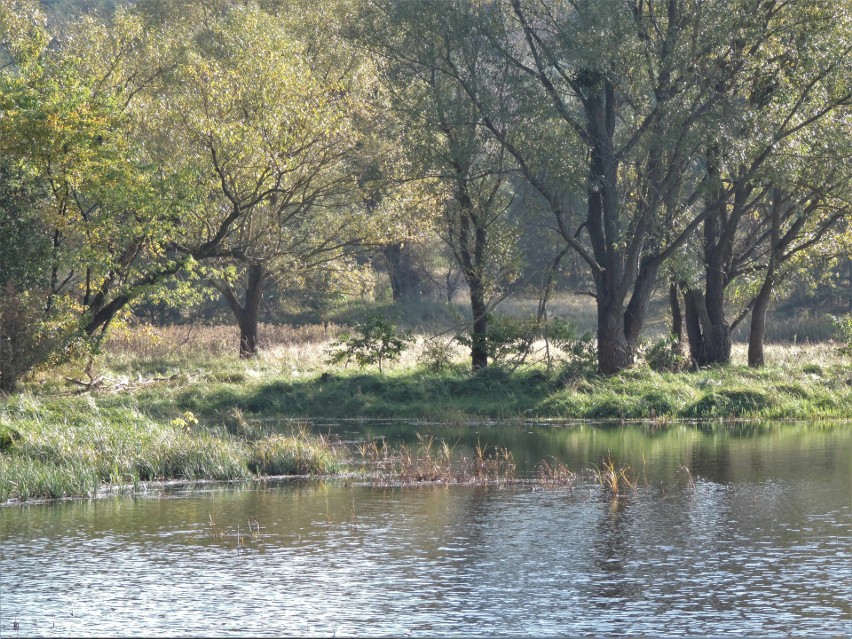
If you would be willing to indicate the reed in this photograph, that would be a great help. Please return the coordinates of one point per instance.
(614, 480)
(554, 473)
(300, 453)
(431, 462)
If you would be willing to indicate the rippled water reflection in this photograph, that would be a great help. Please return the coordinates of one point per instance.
(758, 545)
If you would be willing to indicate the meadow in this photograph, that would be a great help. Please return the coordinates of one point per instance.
(176, 403)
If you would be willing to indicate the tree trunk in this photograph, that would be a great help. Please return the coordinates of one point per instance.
(718, 238)
(717, 331)
(637, 308)
(757, 330)
(764, 297)
(614, 353)
(708, 330)
(691, 302)
(479, 334)
(677, 314)
(470, 245)
(405, 281)
(247, 313)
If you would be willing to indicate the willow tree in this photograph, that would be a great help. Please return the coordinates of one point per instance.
(445, 146)
(258, 124)
(777, 164)
(69, 121)
(607, 100)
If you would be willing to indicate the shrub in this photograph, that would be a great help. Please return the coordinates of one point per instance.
(581, 352)
(508, 340)
(665, 355)
(376, 341)
(437, 355)
(29, 336)
(843, 332)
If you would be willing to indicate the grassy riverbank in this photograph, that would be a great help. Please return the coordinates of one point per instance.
(190, 412)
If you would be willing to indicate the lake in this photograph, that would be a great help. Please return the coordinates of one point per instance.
(731, 530)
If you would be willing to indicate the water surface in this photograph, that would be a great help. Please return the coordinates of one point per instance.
(753, 540)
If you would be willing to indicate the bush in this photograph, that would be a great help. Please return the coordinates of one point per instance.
(437, 355)
(665, 355)
(376, 341)
(843, 332)
(29, 337)
(508, 340)
(581, 352)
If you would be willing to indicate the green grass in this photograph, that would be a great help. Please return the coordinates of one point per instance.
(166, 413)
(72, 446)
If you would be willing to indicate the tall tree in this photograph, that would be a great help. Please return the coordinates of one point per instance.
(446, 145)
(607, 99)
(772, 164)
(260, 118)
(68, 119)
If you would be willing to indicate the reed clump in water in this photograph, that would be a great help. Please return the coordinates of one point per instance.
(554, 473)
(299, 453)
(429, 462)
(614, 479)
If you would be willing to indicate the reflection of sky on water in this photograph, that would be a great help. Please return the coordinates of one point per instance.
(764, 551)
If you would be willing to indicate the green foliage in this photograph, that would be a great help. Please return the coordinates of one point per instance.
(665, 354)
(375, 341)
(508, 340)
(25, 242)
(437, 355)
(843, 331)
(581, 352)
(29, 335)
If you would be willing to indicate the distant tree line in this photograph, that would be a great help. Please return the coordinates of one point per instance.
(165, 151)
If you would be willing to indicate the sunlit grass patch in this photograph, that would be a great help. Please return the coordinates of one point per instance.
(614, 479)
(25, 478)
(299, 453)
(554, 473)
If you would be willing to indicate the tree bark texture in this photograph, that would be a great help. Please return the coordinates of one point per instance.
(247, 313)
(406, 284)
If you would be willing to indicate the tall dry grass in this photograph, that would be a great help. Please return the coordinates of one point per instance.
(167, 341)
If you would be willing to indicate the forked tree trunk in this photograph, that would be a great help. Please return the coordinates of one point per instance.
(708, 330)
(717, 331)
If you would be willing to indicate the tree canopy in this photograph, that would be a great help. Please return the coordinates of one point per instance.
(164, 149)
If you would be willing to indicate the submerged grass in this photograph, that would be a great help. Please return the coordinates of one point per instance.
(614, 479)
(429, 462)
